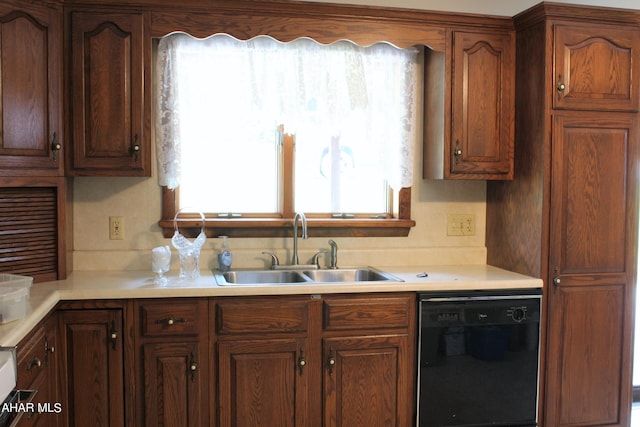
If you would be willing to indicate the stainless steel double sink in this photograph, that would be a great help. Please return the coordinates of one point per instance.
(283, 277)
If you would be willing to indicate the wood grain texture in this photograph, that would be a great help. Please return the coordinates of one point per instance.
(31, 82)
(571, 213)
(110, 91)
(93, 365)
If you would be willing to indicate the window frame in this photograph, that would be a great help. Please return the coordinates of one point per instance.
(191, 224)
(279, 224)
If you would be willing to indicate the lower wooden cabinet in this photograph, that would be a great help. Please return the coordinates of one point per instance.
(335, 361)
(174, 387)
(366, 381)
(92, 363)
(303, 361)
(172, 359)
(263, 383)
(37, 359)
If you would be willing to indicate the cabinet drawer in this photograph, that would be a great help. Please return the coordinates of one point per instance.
(174, 317)
(262, 315)
(33, 358)
(379, 312)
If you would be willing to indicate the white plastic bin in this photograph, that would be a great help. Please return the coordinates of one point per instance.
(14, 294)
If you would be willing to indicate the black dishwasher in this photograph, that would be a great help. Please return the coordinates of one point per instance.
(478, 358)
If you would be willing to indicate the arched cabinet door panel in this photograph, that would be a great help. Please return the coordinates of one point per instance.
(31, 140)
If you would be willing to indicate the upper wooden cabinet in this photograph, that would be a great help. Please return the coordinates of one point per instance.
(593, 67)
(476, 140)
(30, 82)
(109, 108)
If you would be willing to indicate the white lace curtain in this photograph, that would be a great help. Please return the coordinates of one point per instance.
(290, 83)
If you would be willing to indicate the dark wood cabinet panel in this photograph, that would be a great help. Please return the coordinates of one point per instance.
(594, 67)
(591, 268)
(482, 136)
(92, 360)
(584, 382)
(590, 192)
(477, 140)
(37, 370)
(263, 382)
(172, 362)
(175, 379)
(108, 89)
(366, 381)
(31, 81)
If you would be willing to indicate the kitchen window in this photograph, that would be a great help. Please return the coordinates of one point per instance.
(250, 132)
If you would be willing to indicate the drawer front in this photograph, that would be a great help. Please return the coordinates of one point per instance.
(262, 315)
(33, 358)
(379, 312)
(172, 317)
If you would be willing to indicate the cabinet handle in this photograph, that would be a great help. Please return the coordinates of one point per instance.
(331, 361)
(170, 321)
(556, 281)
(193, 366)
(560, 85)
(47, 350)
(34, 363)
(457, 152)
(113, 335)
(135, 148)
(55, 147)
(302, 362)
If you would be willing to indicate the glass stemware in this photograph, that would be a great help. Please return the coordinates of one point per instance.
(160, 263)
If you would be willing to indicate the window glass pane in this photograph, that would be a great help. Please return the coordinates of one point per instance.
(338, 173)
(229, 147)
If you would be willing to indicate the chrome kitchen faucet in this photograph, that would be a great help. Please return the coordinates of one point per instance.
(298, 217)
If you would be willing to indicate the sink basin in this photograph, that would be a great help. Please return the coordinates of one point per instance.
(364, 274)
(281, 277)
(259, 277)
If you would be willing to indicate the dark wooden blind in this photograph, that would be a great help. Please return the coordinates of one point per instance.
(28, 231)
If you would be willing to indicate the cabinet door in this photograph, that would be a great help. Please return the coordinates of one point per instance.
(367, 381)
(108, 90)
(590, 300)
(31, 80)
(482, 106)
(93, 367)
(593, 67)
(263, 383)
(175, 393)
(37, 370)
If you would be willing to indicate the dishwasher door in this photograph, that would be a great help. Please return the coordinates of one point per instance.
(478, 359)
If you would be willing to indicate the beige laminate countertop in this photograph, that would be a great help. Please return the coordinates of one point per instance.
(83, 285)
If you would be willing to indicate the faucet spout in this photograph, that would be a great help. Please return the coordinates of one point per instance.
(333, 263)
(299, 217)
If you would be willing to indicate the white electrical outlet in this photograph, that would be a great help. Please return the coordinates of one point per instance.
(461, 225)
(116, 228)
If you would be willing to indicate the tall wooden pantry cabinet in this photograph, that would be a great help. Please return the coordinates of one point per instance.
(570, 216)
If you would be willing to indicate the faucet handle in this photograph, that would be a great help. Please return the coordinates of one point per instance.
(316, 257)
(274, 259)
